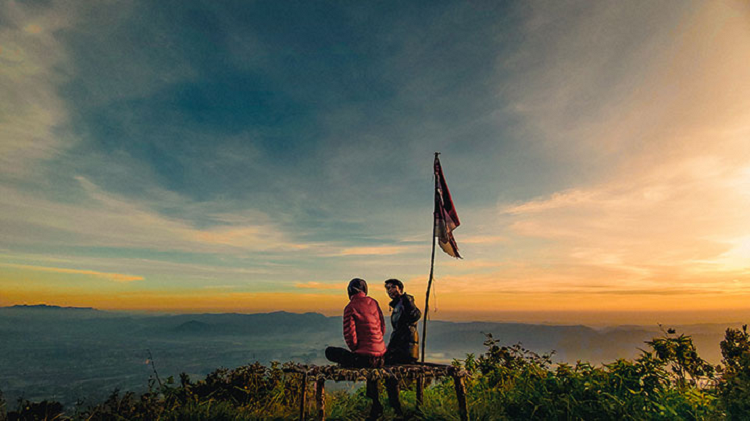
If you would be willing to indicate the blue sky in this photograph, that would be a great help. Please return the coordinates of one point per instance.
(227, 150)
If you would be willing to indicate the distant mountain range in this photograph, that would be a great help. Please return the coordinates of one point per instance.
(44, 307)
(45, 310)
(446, 340)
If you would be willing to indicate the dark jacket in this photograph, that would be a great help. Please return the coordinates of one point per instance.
(404, 344)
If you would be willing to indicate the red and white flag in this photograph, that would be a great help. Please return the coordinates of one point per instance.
(446, 218)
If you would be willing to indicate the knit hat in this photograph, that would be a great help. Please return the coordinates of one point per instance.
(357, 285)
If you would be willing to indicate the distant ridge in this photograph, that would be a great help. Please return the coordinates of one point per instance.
(250, 323)
(194, 326)
(47, 307)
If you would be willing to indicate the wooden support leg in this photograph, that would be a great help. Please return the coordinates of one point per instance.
(458, 382)
(320, 397)
(303, 396)
(420, 390)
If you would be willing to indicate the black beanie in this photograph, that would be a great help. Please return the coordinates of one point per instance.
(357, 285)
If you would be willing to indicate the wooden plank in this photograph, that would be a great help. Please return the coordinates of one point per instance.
(320, 397)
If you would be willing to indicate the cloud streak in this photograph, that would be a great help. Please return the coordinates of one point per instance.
(116, 277)
(321, 286)
(104, 219)
(374, 250)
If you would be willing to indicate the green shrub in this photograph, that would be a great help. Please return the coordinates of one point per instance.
(668, 382)
(735, 385)
(31, 411)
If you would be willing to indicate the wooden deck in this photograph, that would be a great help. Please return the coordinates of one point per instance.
(420, 372)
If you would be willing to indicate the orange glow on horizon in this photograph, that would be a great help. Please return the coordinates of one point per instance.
(541, 307)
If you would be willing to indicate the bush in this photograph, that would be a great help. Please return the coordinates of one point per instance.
(669, 381)
(735, 385)
(30, 411)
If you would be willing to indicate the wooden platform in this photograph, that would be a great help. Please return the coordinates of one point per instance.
(420, 372)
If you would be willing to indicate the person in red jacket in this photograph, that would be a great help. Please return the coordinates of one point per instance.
(364, 328)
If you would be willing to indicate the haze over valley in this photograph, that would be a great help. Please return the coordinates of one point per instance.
(68, 354)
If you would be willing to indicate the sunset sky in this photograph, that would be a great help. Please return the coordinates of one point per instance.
(253, 156)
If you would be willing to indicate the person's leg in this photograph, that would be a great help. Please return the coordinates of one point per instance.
(341, 356)
(366, 361)
(376, 362)
(372, 392)
(391, 385)
(399, 358)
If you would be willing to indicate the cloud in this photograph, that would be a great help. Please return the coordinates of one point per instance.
(644, 218)
(152, 265)
(474, 264)
(614, 86)
(737, 257)
(651, 117)
(339, 286)
(117, 277)
(32, 63)
(104, 219)
(386, 250)
(572, 280)
(248, 248)
(556, 201)
(483, 239)
(612, 137)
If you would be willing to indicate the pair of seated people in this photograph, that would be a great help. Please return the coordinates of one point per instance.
(364, 328)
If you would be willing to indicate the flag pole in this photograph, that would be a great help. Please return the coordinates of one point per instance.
(432, 262)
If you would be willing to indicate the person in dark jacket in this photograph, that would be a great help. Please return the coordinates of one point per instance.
(364, 327)
(403, 347)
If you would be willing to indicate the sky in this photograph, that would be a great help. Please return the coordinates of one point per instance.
(254, 156)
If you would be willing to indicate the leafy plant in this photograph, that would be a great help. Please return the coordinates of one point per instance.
(44, 410)
(735, 385)
(680, 354)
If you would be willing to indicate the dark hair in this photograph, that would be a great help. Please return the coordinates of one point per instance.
(356, 285)
(396, 282)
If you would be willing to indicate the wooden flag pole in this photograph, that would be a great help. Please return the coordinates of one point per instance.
(432, 262)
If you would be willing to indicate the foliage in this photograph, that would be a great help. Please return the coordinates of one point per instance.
(735, 385)
(667, 381)
(680, 354)
(248, 392)
(44, 410)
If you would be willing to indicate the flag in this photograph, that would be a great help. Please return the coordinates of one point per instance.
(446, 218)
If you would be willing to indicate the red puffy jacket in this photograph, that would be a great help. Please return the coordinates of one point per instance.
(364, 326)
